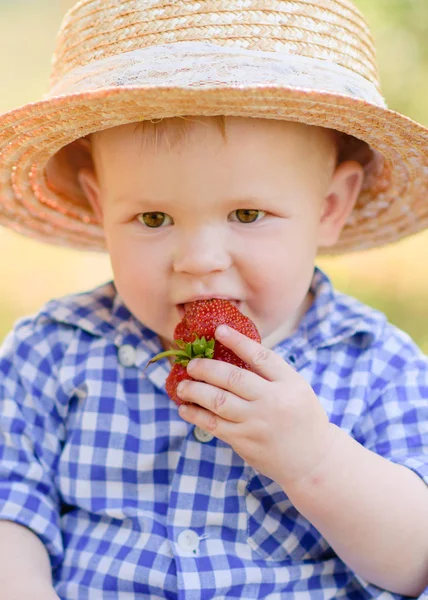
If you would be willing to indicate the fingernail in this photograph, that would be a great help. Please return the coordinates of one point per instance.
(222, 331)
(192, 365)
(181, 387)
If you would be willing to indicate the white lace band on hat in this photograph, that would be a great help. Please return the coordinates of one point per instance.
(203, 64)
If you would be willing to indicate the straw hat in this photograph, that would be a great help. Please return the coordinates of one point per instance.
(122, 61)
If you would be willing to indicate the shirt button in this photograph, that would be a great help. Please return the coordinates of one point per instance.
(127, 355)
(202, 436)
(188, 541)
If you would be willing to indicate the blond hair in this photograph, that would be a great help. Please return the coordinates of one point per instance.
(174, 130)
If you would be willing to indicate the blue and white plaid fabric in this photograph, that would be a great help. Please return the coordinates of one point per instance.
(131, 501)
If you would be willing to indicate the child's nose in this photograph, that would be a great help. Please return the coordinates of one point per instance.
(202, 252)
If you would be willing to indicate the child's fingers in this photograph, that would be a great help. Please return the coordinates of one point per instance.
(208, 421)
(216, 400)
(242, 383)
(263, 361)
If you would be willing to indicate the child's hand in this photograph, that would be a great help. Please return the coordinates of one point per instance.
(270, 417)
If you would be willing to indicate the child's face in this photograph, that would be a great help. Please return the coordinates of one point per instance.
(241, 219)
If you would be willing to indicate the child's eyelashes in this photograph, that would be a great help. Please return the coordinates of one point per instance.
(156, 220)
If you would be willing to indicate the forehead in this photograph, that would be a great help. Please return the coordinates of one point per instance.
(248, 158)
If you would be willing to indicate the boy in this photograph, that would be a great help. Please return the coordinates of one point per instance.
(303, 479)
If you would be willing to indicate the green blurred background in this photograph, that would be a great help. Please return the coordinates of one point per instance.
(393, 279)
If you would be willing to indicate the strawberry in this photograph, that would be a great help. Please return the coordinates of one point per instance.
(194, 337)
(178, 373)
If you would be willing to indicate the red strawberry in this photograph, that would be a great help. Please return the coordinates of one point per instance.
(202, 319)
(194, 336)
(178, 373)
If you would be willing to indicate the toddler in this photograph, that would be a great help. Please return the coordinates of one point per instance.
(214, 150)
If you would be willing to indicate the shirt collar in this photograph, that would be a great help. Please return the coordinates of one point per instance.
(102, 312)
(332, 318)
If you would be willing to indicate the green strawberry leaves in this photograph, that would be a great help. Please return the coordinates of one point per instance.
(199, 348)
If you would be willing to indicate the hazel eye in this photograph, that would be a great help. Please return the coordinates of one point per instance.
(154, 220)
(247, 215)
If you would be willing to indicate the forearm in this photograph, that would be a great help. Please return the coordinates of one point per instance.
(24, 565)
(372, 512)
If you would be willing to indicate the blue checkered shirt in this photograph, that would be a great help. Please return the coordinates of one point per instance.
(133, 502)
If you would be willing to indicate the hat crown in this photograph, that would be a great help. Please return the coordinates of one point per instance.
(331, 30)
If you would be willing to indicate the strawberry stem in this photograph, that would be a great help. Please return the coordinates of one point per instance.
(169, 353)
(186, 351)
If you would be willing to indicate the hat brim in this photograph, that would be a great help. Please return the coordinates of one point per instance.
(393, 206)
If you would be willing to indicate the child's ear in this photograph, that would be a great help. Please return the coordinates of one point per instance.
(339, 201)
(89, 183)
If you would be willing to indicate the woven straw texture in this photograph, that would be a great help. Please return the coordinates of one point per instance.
(123, 61)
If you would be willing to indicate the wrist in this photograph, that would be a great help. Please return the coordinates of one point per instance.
(320, 468)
